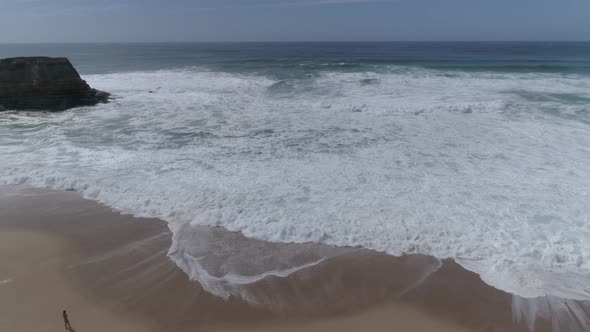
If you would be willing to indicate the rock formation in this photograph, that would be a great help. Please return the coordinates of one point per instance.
(42, 83)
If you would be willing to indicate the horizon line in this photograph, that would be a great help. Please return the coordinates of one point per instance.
(300, 41)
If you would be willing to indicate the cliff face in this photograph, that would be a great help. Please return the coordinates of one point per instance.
(41, 83)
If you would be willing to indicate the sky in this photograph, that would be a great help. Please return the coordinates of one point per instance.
(31, 21)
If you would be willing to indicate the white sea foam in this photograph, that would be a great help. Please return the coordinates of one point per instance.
(564, 315)
(489, 169)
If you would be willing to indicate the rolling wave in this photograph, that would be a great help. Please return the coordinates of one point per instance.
(487, 168)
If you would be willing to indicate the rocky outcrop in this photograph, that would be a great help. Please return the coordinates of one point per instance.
(42, 83)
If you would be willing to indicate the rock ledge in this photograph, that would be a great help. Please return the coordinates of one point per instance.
(43, 83)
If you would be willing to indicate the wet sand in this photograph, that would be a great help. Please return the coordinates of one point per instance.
(112, 273)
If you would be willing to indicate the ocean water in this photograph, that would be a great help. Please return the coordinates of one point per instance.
(478, 152)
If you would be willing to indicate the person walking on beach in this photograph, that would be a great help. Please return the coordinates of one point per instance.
(66, 321)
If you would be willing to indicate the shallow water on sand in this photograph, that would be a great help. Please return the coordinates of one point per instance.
(467, 152)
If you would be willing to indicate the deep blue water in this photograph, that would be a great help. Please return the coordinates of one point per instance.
(289, 59)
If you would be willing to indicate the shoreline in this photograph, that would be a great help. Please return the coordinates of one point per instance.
(116, 267)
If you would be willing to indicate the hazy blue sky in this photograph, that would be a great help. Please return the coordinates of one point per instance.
(288, 20)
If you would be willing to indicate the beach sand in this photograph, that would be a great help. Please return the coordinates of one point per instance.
(112, 273)
(39, 287)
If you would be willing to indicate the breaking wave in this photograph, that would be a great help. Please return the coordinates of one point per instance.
(490, 169)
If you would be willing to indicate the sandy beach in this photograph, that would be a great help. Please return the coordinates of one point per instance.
(112, 273)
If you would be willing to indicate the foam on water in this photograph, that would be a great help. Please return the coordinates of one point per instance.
(489, 169)
(564, 314)
(223, 262)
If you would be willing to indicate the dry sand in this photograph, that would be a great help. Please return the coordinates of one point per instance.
(111, 272)
(36, 288)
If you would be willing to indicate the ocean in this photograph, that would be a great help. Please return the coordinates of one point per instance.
(477, 152)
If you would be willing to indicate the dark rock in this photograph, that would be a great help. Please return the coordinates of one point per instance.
(101, 95)
(42, 83)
